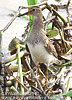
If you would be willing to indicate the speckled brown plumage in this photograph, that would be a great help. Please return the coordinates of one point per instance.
(40, 46)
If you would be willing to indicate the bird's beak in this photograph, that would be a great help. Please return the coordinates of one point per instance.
(27, 13)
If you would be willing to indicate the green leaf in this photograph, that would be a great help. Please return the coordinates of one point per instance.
(32, 2)
(69, 93)
(49, 27)
(54, 69)
(52, 33)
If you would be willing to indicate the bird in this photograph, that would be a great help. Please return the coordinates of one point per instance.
(40, 46)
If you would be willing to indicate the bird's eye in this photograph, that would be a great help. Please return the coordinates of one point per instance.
(33, 9)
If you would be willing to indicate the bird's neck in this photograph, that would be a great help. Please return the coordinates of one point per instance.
(38, 22)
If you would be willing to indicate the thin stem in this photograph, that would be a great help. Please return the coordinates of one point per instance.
(14, 89)
(68, 85)
(56, 13)
(12, 58)
(20, 69)
(19, 82)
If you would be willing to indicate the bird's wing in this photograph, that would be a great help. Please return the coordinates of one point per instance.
(48, 45)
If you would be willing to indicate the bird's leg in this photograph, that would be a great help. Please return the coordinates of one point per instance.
(46, 74)
(39, 70)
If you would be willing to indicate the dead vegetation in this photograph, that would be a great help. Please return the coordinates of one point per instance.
(34, 79)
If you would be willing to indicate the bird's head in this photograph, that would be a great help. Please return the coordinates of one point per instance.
(34, 11)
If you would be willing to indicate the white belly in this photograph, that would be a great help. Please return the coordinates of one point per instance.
(39, 54)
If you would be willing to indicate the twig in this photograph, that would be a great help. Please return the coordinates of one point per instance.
(34, 76)
(54, 92)
(14, 57)
(11, 21)
(39, 91)
(61, 72)
(27, 92)
(56, 13)
(48, 20)
(26, 73)
(68, 84)
(41, 4)
(68, 28)
(23, 7)
(19, 82)
(70, 51)
(68, 3)
(58, 77)
(69, 21)
(49, 8)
